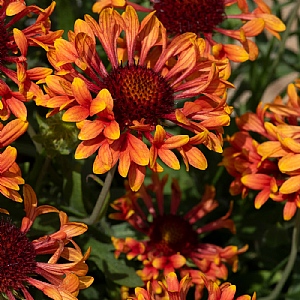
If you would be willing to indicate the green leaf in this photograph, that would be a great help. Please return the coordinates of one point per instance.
(73, 188)
(115, 270)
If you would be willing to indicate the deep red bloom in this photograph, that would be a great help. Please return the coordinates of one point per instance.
(205, 18)
(172, 239)
(19, 256)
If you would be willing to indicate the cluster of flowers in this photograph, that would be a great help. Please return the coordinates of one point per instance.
(22, 261)
(120, 113)
(172, 289)
(269, 162)
(162, 75)
(13, 67)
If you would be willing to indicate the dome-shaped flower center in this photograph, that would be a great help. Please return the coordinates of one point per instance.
(17, 257)
(171, 234)
(139, 93)
(198, 16)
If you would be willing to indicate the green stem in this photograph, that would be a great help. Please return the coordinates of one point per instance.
(101, 201)
(291, 261)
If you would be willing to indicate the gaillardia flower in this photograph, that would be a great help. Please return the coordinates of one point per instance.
(269, 163)
(14, 45)
(10, 173)
(171, 241)
(174, 290)
(121, 113)
(205, 18)
(19, 256)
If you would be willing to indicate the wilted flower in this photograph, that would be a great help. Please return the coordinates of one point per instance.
(269, 163)
(14, 45)
(19, 256)
(205, 18)
(121, 112)
(172, 241)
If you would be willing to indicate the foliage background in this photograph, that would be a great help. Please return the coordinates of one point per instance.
(46, 156)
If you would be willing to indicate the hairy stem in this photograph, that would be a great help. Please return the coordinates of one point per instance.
(101, 201)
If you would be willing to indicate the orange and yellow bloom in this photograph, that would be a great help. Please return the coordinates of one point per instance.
(172, 242)
(123, 114)
(270, 164)
(13, 52)
(171, 289)
(225, 291)
(10, 173)
(19, 263)
(205, 18)
(174, 290)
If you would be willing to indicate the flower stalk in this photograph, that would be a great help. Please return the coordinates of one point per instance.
(102, 199)
(291, 261)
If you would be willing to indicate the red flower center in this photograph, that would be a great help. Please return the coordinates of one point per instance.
(198, 16)
(17, 257)
(139, 93)
(171, 234)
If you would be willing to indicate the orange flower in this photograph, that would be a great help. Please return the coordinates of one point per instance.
(172, 239)
(270, 164)
(13, 50)
(19, 264)
(172, 289)
(206, 18)
(121, 112)
(178, 290)
(10, 173)
(225, 291)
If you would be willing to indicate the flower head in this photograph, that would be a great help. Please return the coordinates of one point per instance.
(121, 113)
(174, 290)
(205, 18)
(171, 239)
(225, 291)
(268, 164)
(19, 256)
(14, 45)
